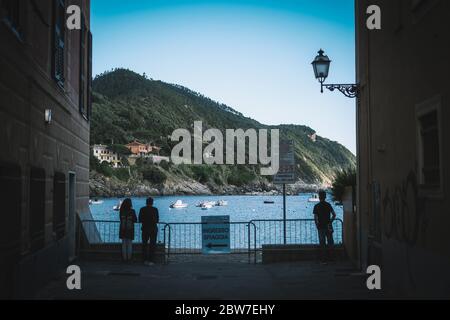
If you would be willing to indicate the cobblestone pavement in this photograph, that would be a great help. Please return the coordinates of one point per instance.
(221, 278)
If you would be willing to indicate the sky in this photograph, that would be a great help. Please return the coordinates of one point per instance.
(253, 55)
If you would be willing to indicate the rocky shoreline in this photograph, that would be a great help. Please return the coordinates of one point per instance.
(111, 187)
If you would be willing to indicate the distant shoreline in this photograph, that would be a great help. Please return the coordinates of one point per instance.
(111, 187)
(268, 194)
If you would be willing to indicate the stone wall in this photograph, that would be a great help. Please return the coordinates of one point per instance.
(27, 89)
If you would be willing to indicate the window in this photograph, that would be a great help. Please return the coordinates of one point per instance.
(89, 76)
(429, 146)
(82, 79)
(59, 205)
(11, 14)
(85, 93)
(10, 226)
(429, 134)
(37, 209)
(59, 19)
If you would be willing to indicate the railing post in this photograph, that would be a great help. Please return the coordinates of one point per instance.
(78, 237)
(168, 247)
(284, 214)
(254, 237)
(249, 244)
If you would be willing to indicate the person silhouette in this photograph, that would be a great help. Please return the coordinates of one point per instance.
(126, 233)
(324, 216)
(149, 217)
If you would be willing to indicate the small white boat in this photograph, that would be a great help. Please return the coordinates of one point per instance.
(206, 206)
(95, 201)
(178, 205)
(117, 207)
(201, 204)
(221, 203)
(314, 198)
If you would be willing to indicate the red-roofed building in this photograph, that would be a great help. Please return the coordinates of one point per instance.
(142, 149)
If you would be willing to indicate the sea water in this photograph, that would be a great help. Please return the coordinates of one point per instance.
(186, 230)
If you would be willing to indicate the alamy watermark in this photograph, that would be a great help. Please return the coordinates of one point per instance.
(234, 147)
(74, 279)
(374, 20)
(374, 280)
(73, 21)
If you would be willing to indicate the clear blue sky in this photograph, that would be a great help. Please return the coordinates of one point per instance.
(254, 56)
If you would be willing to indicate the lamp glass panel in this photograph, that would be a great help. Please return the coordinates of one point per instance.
(321, 69)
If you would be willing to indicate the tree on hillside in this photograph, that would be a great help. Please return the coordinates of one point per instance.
(120, 149)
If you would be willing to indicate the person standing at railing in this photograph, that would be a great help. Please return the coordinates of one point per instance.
(149, 217)
(127, 220)
(324, 216)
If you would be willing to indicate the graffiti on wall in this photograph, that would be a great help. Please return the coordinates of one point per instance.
(404, 217)
(403, 212)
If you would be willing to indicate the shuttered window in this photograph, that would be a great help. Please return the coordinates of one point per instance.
(82, 92)
(37, 209)
(429, 146)
(59, 205)
(89, 76)
(59, 41)
(429, 134)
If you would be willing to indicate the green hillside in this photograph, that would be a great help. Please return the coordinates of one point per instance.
(128, 106)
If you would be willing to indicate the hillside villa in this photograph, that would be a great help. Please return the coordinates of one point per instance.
(137, 149)
(142, 149)
(102, 153)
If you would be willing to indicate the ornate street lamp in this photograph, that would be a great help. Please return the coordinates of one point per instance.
(321, 66)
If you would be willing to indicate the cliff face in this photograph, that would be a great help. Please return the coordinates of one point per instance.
(128, 106)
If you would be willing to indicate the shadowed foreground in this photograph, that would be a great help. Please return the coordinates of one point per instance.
(220, 278)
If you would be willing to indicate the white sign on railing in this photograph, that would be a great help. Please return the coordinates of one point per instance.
(215, 234)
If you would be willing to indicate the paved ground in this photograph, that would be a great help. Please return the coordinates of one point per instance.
(217, 278)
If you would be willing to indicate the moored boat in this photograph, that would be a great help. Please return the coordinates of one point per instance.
(221, 203)
(117, 206)
(206, 206)
(314, 198)
(201, 204)
(178, 205)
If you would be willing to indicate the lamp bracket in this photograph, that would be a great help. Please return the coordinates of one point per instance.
(349, 90)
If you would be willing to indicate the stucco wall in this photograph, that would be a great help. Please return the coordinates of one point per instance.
(399, 67)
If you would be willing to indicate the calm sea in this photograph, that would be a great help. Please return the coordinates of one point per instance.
(239, 208)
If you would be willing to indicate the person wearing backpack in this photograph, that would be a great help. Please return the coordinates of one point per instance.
(126, 233)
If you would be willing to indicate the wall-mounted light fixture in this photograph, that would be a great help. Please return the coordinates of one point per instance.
(321, 66)
(48, 116)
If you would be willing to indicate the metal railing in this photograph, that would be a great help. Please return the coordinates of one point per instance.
(186, 238)
(107, 232)
(298, 231)
(245, 237)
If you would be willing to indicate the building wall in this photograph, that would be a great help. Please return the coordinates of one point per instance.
(27, 88)
(349, 227)
(400, 67)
